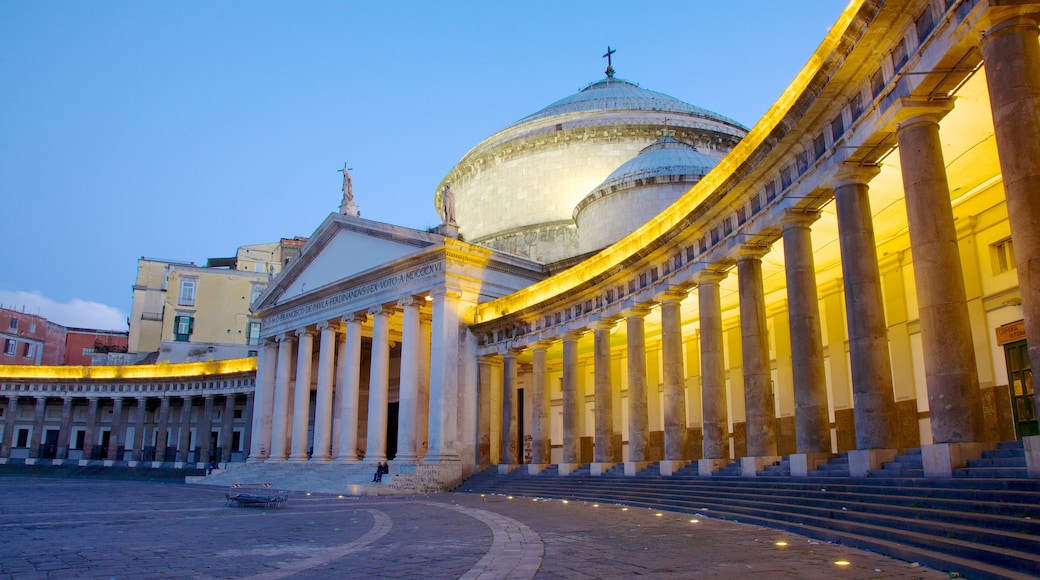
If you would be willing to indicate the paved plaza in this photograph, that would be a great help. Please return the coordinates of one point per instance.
(62, 528)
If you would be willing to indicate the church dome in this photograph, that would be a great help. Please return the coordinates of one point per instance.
(516, 190)
(637, 191)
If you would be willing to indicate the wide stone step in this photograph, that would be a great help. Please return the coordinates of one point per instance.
(998, 462)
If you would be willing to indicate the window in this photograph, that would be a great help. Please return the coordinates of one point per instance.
(14, 324)
(32, 327)
(187, 295)
(857, 105)
(88, 351)
(1003, 256)
(925, 23)
(10, 346)
(254, 334)
(23, 438)
(785, 178)
(182, 328)
(29, 350)
(756, 204)
(771, 191)
(837, 127)
(899, 57)
(819, 145)
(803, 162)
(877, 82)
(256, 291)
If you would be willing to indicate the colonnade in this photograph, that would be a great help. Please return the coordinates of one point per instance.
(1010, 47)
(130, 428)
(348, 423)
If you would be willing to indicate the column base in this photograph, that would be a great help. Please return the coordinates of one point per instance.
(506, 468)
(252, 459)
(668, 467)
(634, 467)
(750, 466)
(803, 463)
(320, 460)
(433, 457)
(303, 459)
(941, 459)
(599, 468)
(1031, 445)
(346, 461)
(706, 467)
(536, 468)
(30, 461)
(861, 461)
(275, 460)
(157, 464)
(568, 468)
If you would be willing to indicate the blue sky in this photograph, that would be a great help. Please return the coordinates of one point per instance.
(184, 130)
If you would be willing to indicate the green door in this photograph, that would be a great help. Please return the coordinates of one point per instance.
(1020, 379)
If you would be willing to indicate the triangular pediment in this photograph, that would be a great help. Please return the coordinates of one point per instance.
(342, 247)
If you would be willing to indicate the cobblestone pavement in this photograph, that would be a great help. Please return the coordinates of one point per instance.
(66, 528)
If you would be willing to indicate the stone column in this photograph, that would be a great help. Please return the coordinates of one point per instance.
(92, 429)
(485, 366)
(812, 422)
(66, 428)
(1012, 56)
(9, 420)
(378, 385)
(758, 385)
(603, 445)
(951, 375)
(247, 430)
(408, 407)
(873, 401)
(510, 448)
(638, 415)
(281, 421)
(348, 400)
(674, 387)
(160, 429)
(302, 397)
(227, 429)
(572, 405)
(184, 436)
(37, 431)
(115, 438)
(444, 377)
(204, 432)
(713, 374)
(322, 452)
(263, 402)
(541, 434)
(139, 413)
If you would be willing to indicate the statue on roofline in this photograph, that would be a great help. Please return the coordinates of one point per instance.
(447, 209)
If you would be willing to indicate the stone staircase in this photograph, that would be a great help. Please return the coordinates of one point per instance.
(1006, 461)
(354, 479)
(975, 526)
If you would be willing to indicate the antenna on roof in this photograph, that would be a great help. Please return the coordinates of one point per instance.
(610, 65)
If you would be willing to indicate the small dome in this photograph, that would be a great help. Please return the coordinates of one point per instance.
(616, 94)
(664, 157)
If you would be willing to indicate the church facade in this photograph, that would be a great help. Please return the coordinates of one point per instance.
(843, 277)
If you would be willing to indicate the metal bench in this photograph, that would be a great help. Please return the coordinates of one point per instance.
(255, 495)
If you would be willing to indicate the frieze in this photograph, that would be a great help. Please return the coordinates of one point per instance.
(357, 292)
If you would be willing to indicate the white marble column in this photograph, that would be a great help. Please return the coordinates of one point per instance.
(808, 375)
(541, 432)
(409, 383)
(510, 446)
(281, 421)
(348, 399)
(603, 444)
(759, 406)
(161, 429)
(378, 385)
(323, 403)
(873, 400)
(713, 374)
(66, 428)
(572, 404)
(638, 414)
(444, 377)
(37, 430)
(302, 397)
(139, 412)
(263, 402)
(675, 434)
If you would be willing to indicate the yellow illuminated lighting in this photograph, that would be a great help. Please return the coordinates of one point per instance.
(658, 514)
(340, 497)
(156, 371)
(624, 509)
(694, 521)
(565, 501)
(841, 562)
(781, 543)
(510, 497)
(599, 265)
(595, 505)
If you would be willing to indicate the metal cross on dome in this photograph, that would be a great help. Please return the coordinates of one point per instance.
(610, 65)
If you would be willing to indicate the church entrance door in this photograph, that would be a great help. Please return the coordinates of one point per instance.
(1020, 380)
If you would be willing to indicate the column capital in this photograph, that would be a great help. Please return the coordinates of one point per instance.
(408, 301)
(1002, 19)
(711, 276)
(751, 252)
(854, 174)
(572, 335)
(634, 310)
(304, 332)
(795, 218)
(604, 324)
(324, 324)
(380, 310)
(671, 295)
(542, 344)
(909, 111)
(445, 292)
(284, 337)
(354, 318)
